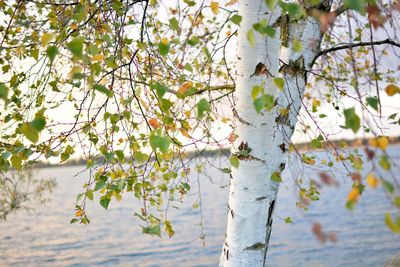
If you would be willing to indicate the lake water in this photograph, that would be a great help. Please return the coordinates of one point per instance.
(45, 237)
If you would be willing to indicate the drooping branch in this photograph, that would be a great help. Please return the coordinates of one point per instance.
(348, 46)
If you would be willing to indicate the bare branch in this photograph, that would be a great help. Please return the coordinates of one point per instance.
(348, 46)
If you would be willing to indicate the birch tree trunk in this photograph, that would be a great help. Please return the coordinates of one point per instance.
(265, 135)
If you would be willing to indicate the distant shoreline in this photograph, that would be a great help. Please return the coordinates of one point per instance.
(342, 143)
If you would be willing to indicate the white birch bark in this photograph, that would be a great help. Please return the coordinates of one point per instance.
(252, 194)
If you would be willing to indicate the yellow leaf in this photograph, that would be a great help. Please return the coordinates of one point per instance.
(284, 111)
(372, 181)
(47, 38)
(184, 132)
(164, 41)
(232, 2)
(316, 103)
(382, 142)
(79, 213)
(353, 195)
(98, 57)
(215, 7)
(392, 89)
(117, 196)
(225, 120)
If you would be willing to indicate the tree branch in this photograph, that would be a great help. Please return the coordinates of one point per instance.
(348, 46)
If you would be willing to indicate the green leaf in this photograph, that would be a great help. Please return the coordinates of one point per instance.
(270, 4)
(47, 38)
(193, 41)
(101, 183)
(103, 90)
(256, 90)
(188, 67)
(29, 132)
(297, 46)
(89, 194)
(226, 170)
(352, 119)
(3, 92)
(76, 46)
(152, 230)
(234, 160)
(288, 220)
(120, 154)
(160, 89)
(270, 31)
(190, 2)
(35, 53)
(140, 157)
(279, 82)
(396, 201)
(315, 143)
(67, 153)
(251, 38)
(373, 102)
(163, 48)
(385, 163)
(52, 51)
(74, 220)
(293, 9)
(16, 162)
(105, 201)
(174, 24)
(263, 28)
(265, 101)
(38, 124)
(236, 19)
(258, 104)
(388, 186)
(160, 142)
(389, 222)
(357, 5)
(169, 229)
(202, 107)
(276, 177)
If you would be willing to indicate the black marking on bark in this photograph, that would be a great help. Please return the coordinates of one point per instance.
(256, 246)
(242, 155)
(294, 68)
(282, 119)
(244, 151)
(270, 211)
(268, 228)
(282, 166)
(260, 198)
(261, 69)
(239, 118)
(245, 188)
(284, 23)
(231, 212)
(283, 147)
